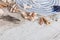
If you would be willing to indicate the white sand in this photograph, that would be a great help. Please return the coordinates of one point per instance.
(28, 30)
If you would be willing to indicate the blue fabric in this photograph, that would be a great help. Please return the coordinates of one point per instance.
(56, 8)
(39, 6)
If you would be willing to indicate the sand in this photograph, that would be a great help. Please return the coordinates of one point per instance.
(28, 30)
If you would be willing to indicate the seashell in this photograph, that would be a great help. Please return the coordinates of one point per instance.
(9, 1)
(3, 5)
(24, 14)
(13, 8)
(41, 21)
(29, 15)
(33, 16)
(46, 21)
